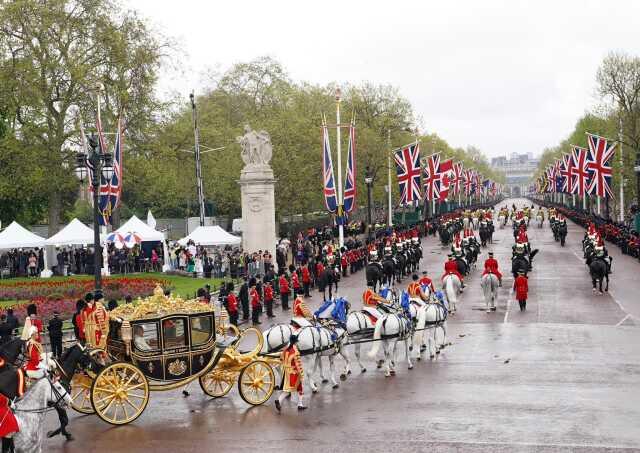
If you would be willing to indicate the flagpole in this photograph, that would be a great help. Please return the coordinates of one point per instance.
(390, 222)
(621, 170)
(103, 228)
(598, 204)
(340, 199)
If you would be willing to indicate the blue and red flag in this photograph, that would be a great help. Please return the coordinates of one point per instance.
(329, 190)
(408, 169)
(350, 180)
(580, 161)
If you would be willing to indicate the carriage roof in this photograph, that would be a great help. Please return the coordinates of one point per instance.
(159, 306)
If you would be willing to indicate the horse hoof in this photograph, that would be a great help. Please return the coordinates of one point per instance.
(343, 377)
(488, 311)
(324, 381)
(410, 348)
(418, 358)
(364, 370)
(600, 293)
(438, 351)
(410, 367)
(432, 356)
(387, 374)
(393, 372)
(594, 290)
(335, 386)
(349, 372)
(314, 390)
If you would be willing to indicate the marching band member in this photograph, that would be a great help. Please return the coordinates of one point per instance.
(292, 374)
(491, 266)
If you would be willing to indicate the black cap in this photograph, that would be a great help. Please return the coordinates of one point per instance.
(97, 294)
(88, 297)
(424, 272)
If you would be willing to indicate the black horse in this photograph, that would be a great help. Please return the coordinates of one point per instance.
(599, 271)
(374, 274)
(519, 263)
(389, 271)
(562, 232)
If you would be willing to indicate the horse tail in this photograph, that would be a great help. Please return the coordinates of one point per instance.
(377, 334)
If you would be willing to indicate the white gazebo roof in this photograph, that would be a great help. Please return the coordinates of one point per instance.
(210, 235)
(146, 233)
(15, 236)
(75, 233)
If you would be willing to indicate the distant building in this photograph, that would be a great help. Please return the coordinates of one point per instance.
(518, 169)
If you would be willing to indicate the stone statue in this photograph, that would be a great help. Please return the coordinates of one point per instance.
(256, 147)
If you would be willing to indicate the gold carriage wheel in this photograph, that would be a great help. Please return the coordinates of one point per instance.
(81, 393)
(217, 383)
(120, 393)
(256, 382)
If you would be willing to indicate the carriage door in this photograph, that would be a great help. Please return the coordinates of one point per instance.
(175, 348)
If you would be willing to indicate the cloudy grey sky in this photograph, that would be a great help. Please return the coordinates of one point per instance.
(503, 75)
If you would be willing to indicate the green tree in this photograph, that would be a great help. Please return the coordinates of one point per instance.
(53, 54)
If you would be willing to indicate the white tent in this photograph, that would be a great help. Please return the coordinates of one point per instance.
(210, 235)
(76, 233)
(15, 236)
(146, 233)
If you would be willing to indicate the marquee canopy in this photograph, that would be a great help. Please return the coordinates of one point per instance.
(75, 233)
(210, 235)
(146, 233)
(15, 236)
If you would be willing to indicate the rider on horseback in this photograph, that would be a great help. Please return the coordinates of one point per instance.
(426, 281)
(415, 290)
(491, 267)
(451, 267)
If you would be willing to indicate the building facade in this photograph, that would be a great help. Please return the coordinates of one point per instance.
(518, 169)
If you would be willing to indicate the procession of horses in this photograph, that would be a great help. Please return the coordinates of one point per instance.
(112, 376)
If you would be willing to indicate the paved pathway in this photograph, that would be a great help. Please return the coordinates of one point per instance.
(563, 376)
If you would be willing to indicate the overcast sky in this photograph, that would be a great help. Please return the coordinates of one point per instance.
(501, 75)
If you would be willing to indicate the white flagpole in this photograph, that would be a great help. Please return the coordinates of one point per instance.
(340, 200)
(390, 222)
(584, 202)
(103, 228)
(598, 204)
(621, 172)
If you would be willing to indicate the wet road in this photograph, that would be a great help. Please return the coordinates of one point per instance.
(563, 376)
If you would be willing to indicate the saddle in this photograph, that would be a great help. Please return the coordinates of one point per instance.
(372, 313)
(299, 322)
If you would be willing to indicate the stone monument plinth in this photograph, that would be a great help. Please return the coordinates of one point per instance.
(257, 186)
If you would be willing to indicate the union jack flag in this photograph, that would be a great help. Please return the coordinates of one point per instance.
(408, 170)
(458, 172)
(567, 172)
(557, 171)
(330, 197)
(350, 180)
(432, 177)
(468, 182)
(580, 161)
(599, 167)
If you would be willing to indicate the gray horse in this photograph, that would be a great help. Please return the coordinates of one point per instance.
(30, 412)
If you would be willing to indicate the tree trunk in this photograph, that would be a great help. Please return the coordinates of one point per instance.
(55, 203)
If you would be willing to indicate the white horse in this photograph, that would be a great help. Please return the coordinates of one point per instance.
(540, 220)
(430, 316)
(490, 285)
(389, 329)
(502, 220)
(314, 342)
(452, 286)
(465, 223)
(30, 412)
(476, 220)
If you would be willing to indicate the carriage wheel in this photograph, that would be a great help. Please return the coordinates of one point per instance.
(217, 383)
(256, 382)
(81, 393)
(120, 393)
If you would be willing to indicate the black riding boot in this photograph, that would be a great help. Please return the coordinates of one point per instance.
(7, 445)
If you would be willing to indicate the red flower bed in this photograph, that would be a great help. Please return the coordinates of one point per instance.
(50, 296)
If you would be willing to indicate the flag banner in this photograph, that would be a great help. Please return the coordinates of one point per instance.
(329, 186)
(456, 183)
(431, 177)
(599, 165)
(468, 182)
(445, 169)
(558, 173)
(567, 172)
(408, 170)
(110, 191)
(350, 180)
(580, 160)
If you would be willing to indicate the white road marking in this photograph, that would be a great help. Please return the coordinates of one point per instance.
(506, 313)
(623, 320)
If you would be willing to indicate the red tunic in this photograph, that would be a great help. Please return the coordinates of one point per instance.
(268, 293)
(491, 265)
(295, 281)
(8, 422)
(521, 285)
(426, 281)
(368, 299)
(255, 298)
(284, 285)
(319, 269)
(232, 303)
(34, 358)
(306, 275)
(451, 267)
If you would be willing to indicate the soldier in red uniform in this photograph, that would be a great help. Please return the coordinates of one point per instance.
(451, 267)
(268, 299)
(306, 280)
(300, 309)
(521, 286)
(491, 266)
(426, 281)
(292, 374)
(283, 284)
(232, 306)
(256, 306)
(370, 298)
(295, 281)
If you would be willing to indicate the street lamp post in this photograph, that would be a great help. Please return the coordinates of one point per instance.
(636, 168)
(102, 164)
(368, 180)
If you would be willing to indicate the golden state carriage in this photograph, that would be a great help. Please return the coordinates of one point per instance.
(163, 343)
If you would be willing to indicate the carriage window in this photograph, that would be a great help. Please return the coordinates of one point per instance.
(201, 328)
(145, 336)
(173, 333)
